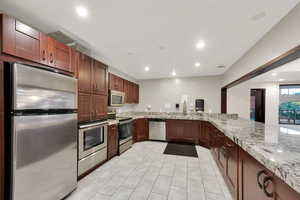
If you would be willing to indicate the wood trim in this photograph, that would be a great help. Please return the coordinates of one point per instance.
(224, 100)
(287, 57)
(2, 170)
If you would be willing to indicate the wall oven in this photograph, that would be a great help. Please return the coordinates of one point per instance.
(92, 145)
(125, 134)
(116, 98)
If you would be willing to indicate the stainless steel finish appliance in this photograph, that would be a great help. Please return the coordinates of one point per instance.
(116, 98)
(44, 133)
(157, 129)
(125, 133)
(92, 145)
(199, 105)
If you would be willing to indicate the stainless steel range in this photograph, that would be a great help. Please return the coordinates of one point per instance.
(125, 134)
(92, 145)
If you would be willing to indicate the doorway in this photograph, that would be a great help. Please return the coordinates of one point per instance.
(257, 105)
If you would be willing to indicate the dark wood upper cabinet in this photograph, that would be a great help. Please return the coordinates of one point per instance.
(99, 107)
(84, 107)
(112, 141)
(127, 91)
(55, 54)
(116, 82)
(84, 73)
(62, 56)
(19, 39)
(99, 82)
(44, 49)
(74, 62)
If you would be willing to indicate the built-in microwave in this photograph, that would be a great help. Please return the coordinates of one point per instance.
(116, 98)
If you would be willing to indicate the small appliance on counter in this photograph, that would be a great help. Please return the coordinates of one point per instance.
(199, 105)
(92, 145)
(125, 130)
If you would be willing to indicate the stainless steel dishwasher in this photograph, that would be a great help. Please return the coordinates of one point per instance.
(157, 129)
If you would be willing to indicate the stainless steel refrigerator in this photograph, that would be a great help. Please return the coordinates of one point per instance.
(43, 133)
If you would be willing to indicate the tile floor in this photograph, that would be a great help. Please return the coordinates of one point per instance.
(145, 173)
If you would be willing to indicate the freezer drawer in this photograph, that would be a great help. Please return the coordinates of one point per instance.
(35, 88)
(157, 129)
(44, 154)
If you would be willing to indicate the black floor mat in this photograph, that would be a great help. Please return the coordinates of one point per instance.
(181, 150)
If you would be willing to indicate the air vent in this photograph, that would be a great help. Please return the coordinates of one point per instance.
(69, 40)
(221, 67)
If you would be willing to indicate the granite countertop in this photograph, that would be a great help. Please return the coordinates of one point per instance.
(276, 147)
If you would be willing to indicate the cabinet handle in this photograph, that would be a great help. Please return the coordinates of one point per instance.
(258, 177)
(267, 180)
(51, 58)
(44, 55)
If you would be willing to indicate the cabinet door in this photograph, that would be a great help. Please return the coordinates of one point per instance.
(142, 129)
(174, 130)
(285, 192)
(223, 153)
(84, 107)
(99, 78)
(232, 167)
(191, 130)
(112, 140)
(43, 49)
(204, 134)
(137, 93)
(99, 107)
(19, 39)
(84, 73)
(249, 170)
(62, 56)
(74, 62)
(127, 91)
(120, 84)
(51, 49)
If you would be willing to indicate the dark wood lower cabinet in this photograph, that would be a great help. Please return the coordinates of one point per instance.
(182, 131)
(112, 141)
(251, 176)
(204, 134)
(141, 130)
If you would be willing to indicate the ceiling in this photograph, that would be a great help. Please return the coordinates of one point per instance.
(132, 34)
(287, 73)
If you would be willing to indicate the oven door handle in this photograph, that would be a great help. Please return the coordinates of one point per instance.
(94, 124)
(125, 122)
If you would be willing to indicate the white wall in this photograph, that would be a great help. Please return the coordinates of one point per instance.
(158, 92)
(281, 38)
(238, 99)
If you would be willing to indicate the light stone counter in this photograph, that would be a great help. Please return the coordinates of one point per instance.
(276, 147)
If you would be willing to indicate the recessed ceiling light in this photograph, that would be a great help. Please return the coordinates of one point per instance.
(81, 11)
(197, 64)
(281, 79)
(173, 73)
(146, 68)
(200, 45)
(274, 74)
